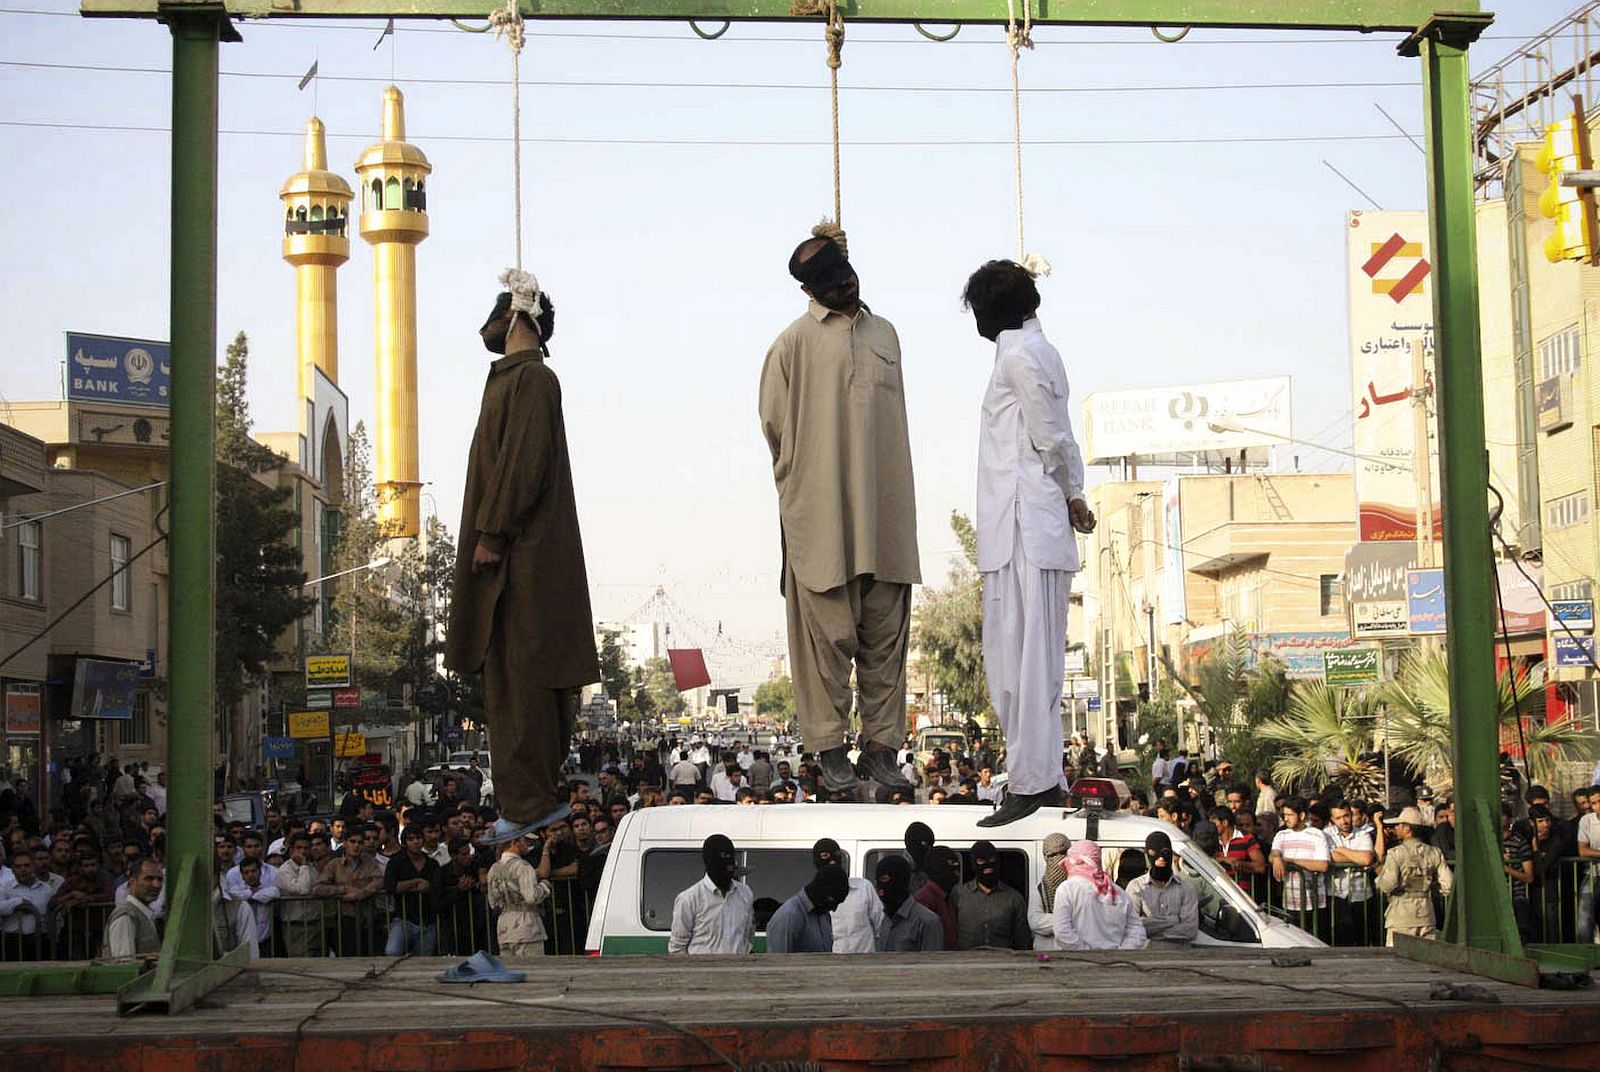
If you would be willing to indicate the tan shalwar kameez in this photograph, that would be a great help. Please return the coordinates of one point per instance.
(525, 622)
(834, 415)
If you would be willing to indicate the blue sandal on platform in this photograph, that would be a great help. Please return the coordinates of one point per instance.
(481, 968)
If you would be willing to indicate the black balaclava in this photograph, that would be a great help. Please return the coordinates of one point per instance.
(1000, 307)
(718, 855)
(826, 273)
(893, 879)
(919, 839)
(1158, 850)
(992, 321)
(497, 329)
(824, 852)
(943, 867)
(828, 889)
(986, 864)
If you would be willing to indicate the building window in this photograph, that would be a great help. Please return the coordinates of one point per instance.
(1567, 512)
(1331, 600)
(1560, 354)
(1573, 590)
(137, 729)
(28, 586)
(121, 549)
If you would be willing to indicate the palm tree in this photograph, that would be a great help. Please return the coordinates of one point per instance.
(1419, 718)
(1325, 733)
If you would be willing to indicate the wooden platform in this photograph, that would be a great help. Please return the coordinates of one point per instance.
(1350, 1010)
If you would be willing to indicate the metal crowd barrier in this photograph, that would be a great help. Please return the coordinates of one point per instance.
(323, 927)
(1554, 908)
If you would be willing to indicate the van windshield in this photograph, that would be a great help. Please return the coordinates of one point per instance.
(943, 741)
(1218, 916)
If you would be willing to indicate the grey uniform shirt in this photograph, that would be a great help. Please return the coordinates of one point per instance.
(912, 928)
(1170, 913)
(797, 927)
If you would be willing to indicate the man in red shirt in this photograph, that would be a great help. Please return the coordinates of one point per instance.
(943, 866)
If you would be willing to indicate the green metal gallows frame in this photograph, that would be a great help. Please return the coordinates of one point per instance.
(1481, 934)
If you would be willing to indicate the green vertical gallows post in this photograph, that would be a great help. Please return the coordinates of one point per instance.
(1481, 908)
(185, 969)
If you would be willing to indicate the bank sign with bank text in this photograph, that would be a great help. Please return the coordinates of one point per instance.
(108, 368)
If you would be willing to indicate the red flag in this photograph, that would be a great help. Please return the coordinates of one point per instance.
(688, 668)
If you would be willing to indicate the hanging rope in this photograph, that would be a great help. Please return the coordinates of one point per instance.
(835, 38)
(507, 23)
(1017, 39)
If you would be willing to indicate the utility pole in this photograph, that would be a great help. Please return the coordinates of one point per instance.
(1422, 454)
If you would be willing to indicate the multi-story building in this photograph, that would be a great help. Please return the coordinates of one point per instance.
(1173, 566)
(83, 560)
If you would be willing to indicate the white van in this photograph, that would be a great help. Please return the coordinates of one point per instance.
(656, 854)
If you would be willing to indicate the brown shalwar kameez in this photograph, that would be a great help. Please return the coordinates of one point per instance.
(834, 415)
(525, 622)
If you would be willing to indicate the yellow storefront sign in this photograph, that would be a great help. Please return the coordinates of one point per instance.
(327, 671)
(308, 725)
(350, 745)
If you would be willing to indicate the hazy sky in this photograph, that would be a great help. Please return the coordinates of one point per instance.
(1196, 232)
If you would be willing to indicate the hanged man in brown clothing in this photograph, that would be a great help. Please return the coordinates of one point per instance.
(519, 611)
(833, 412)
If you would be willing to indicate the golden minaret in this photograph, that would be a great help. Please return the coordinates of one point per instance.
(394, 218)
(315, 240)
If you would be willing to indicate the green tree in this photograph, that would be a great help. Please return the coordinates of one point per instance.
(615, 673)
(947, 628)
(1418, 720)
(259, 579)
(1324, 734)
(369, 620)
(775, 700)
(660, 687)
(438, 581)
(1236, 698)
(1158, 721)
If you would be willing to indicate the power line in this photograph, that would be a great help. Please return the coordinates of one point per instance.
(24, 519)
(749, 143)
(563, 83)
(81, 600)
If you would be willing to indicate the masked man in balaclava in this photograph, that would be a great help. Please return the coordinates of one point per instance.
(804, 923)
(1169, 906)
(833, 412)
(918, 840)
(989, 913)
(907, 926)
(944, 871)
(519, 608)
(716, 914)
(1030, 504)
(857, 916)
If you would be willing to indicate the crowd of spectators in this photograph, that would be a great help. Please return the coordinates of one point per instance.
(415, 880)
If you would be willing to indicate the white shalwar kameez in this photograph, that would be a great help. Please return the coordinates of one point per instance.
(1029, 468)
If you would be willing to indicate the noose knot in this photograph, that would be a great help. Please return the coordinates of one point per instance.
(507, 22)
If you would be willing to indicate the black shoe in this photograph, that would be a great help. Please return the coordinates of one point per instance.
(879, 765)
(837, 774)
(1021, 805)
